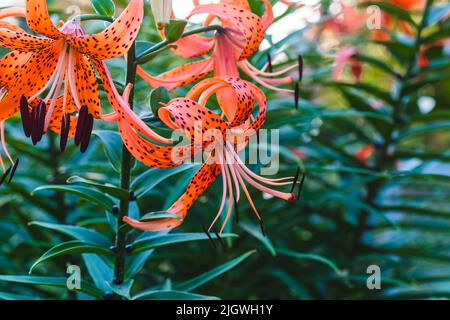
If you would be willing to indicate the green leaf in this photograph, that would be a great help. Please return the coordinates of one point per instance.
(313, 257)
(99, 271)
(114, 191)
(159, 215)
(70, 247)
(169, 239)
(79, 233)
(255, 231)
(171, 295)
(13, 296)
(206, 277)
(425, 129)
(112, 145)
(157, 96)
(61, 282)
(174, 30)
(104, 7)
(145, 183)
(91, 195)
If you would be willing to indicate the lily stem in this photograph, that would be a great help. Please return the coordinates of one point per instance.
(383, 158)
(125, 177)
(148, 54)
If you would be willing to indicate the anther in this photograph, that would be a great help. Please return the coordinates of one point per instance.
(261, 225)
(34, 125)
(300, 68)
(297, 175)
(222, 243)
(2, 179)
(269, 62)
(81, 123)
(132, 196)
(236, 209)
(87, 132)
(13, 170)
(25, 115)
(41, 113)
(209, 236)
(301, 186)
(296, 94)
(65, 128)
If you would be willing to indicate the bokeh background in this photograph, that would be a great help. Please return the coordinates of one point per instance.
(376, 154)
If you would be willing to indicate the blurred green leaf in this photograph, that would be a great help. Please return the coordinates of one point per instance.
(104, 7)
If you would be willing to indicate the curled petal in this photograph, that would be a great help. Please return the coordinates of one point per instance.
(15, 39)
(206, 176)
(245, 23)
(39, 21)
(179, 76)
(115, 40)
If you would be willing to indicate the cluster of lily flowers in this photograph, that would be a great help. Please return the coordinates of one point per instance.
(51, 80)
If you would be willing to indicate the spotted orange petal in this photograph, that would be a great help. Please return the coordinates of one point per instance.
(30, 79)
(15, 39)
(204, 178)
(39, 21)
(115, 40)
(179, 76)
(86, 85)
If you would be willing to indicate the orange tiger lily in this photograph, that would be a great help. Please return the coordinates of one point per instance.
(6, 13)
(185, 114)
(52, 80)
(243, 32)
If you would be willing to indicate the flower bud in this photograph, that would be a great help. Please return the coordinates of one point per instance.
(162, 11)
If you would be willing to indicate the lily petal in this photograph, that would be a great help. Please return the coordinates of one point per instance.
(206, 176)
(21, 41)
(115, 40)
(179, 76)
(39, 21)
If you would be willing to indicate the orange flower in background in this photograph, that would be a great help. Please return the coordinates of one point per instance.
(52, 79)
(186, 114)
(347, 57)
(242, 34)
(364, 153)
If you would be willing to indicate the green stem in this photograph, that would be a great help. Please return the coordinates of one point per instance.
(125, 177)
(382, 155)
(87, 17)
(147, 55)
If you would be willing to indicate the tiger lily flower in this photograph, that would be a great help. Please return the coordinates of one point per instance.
(242, 34)
(52, 80)
(193, 117)
(7, 13)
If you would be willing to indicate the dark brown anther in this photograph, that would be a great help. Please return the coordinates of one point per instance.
(300, 68)
(41, 113)
(2, 179)
(297, 174)
(236, 209)
(261, 225)
(115, 210)
(86, 138)
(209, 236)
(81, 124)
(269, 62)
(258, 137)
(65, 128)
(300, 189)
(296, 94)
(13, 170)
(221, 241)
(25, 115)
(34, 125)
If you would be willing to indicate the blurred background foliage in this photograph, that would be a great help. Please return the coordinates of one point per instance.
(376, 154)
